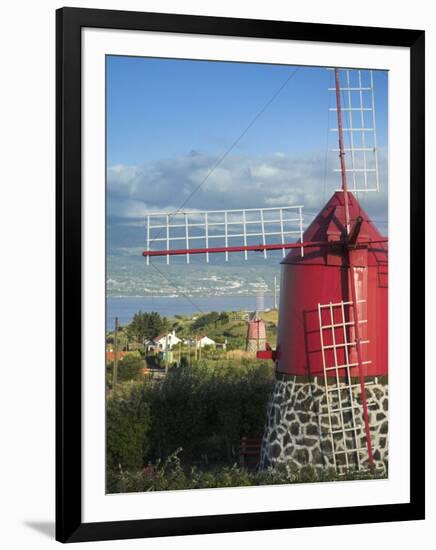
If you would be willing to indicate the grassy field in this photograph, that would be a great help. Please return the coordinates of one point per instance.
(270, 316)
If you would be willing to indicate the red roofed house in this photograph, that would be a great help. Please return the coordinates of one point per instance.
(163, 341)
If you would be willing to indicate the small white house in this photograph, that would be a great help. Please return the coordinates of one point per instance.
(165, 341)
(201, 341)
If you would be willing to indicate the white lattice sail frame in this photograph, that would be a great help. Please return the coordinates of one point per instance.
(357, 98)
(205, 230)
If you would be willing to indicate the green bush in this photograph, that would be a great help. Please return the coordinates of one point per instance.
(206, 410)
(129, 368)
(128, 423)
(202, 408)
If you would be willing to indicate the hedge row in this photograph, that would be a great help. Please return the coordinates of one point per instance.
(202, 409)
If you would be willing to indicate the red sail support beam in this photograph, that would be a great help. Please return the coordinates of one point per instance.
(341, 149)
(355, 230)
(254, 248)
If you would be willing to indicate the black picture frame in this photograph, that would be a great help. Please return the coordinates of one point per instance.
(69, 525)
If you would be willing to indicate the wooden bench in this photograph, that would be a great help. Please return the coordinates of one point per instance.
(249, 447)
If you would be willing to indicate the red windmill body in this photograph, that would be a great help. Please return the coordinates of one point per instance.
(333, 315)
(322, 276)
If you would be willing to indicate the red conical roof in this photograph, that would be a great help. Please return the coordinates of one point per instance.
(330, 225)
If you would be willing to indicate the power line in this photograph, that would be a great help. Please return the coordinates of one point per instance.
(176, 287)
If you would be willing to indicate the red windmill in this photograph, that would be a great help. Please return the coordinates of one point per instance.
(333, 304)
(256, 330)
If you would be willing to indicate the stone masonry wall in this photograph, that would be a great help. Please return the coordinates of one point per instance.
(297, 428)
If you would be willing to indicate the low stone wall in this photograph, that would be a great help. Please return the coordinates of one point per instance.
(297, 430)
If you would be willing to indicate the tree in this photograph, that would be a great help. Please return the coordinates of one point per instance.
(145, 326)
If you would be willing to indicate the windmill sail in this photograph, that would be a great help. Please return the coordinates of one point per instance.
(356, 88)
(223, 231)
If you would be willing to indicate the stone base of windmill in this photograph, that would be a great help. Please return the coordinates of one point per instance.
(297, 428)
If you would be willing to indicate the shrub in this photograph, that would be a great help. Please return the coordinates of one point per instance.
(206, 410)
(129, 368)
(128, 422)
(171, 475)
(203, 408)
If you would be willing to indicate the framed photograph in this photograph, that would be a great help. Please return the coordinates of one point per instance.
(240, 274)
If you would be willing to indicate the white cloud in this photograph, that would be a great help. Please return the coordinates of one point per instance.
(126, 208)
(265, 171)
(238, 182)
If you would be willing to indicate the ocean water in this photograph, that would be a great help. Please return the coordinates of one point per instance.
(125, 307)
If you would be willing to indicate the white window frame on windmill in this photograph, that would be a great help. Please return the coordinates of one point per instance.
(198, 231)
(362, 158)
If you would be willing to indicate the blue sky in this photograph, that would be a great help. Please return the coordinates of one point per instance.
(170, 121)
(160, 108)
